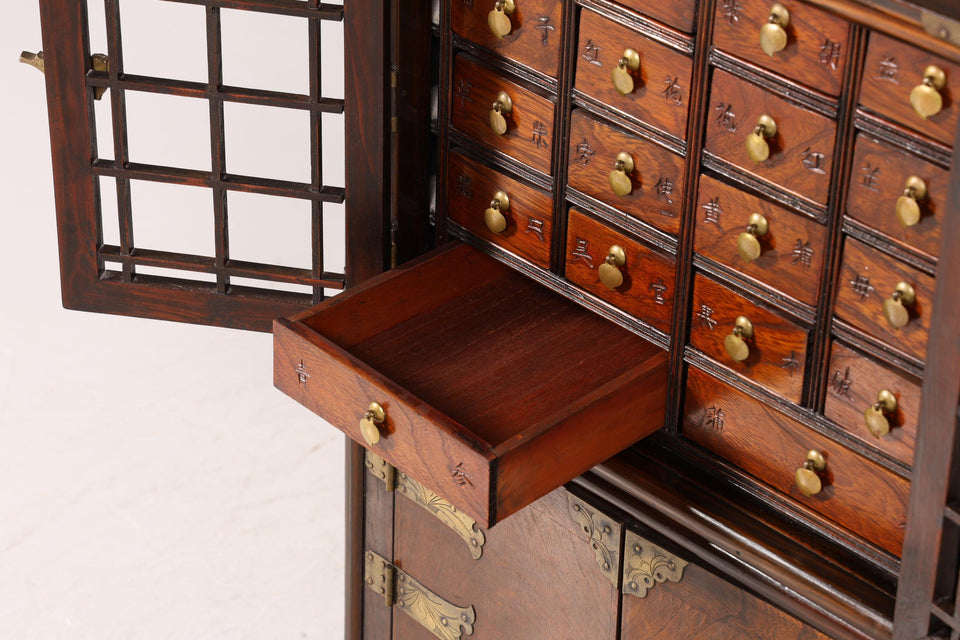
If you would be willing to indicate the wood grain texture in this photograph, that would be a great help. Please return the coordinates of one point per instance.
(649, 278)
(854, 382)
(778, 349)
(529, 220)
(658, 177)
(817, 48)
(857, 494)
(662, 84)
(680, 14)
(867, 278)
(736, 106)
(891, 70)
(475, 89)
(794, 248)
(880, 173)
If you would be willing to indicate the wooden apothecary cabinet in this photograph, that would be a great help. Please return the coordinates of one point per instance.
(693, 368)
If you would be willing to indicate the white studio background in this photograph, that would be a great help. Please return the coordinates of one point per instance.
(153, 483)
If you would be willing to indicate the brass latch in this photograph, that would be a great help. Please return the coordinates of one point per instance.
(99, 61)
(446, 621)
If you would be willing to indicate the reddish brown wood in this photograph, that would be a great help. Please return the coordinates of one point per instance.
(662, 84)
(680, 14)
(794, 247)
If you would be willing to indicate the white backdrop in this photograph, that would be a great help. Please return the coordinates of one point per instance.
(153, 484)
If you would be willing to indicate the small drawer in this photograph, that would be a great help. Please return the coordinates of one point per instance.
(647, 279)
(868, 282)
(527, 116)
(800, 152)
(855, 385)
(891, 72)
(773, 350)
(898, 194)
(680, 14)
(526, 214)
(655, 186)
(790, 246)
(536, 30)
(856, 493)
(487, 379)
(805, 44)
(656, 92)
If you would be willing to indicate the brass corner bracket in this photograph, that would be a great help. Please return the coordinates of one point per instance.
(604, 534)
(645, 564)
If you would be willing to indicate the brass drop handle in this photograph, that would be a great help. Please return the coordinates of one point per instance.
(925, 98)
(876, 414)
(609, 270)
(374, 415)
(622, 74)
(748, 246)
(501, 106)
(908, 207)
(895, 307)
(619, 178)
(758, 147)
(736, 343)
(773, 34)
(808, 475)
(499, 18)
(99, 62)
(493, 217)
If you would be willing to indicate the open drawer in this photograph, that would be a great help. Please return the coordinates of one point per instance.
(494, 389)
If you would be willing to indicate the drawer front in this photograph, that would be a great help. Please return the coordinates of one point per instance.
(777, 350)
(791, 250)
(881, 177)
(536, 31)
(801, 152)
(855, 382)
(858, 494)
(648, 277)
(816, 48)
(529, 133)
(868, 279)
(657, 182)
(892, 70)
(679, 14)
(528, 215)
(661, 84)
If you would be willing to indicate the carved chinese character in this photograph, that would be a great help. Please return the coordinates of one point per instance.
(463, 92)
(535, 227)
(468, 3)
(581, 252)
(584, 153)
(829, 54)
(705, 317)
(544, 26)
(659, 288)
(591, 53)
(726, 118)
(663, 189)
(731, 11)
(713, 419)
(712, 212)
(841, 386)
(791, 363)
(464, 186)
(812, 161)
(888, 69)
(302, 375)
(802, 253)
(539, 131)
(672, 91)
(460, 476)
(868, 177)
(861, 285)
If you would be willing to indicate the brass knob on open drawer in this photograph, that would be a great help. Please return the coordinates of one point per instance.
(758, 146)
(619, 178)
(499, 18)
(895, 307)
(925, 98)
(876, 414)
(748, 246)
(773, 34)
(493, 217)
(609, 270)
(622, 74)
(808, 475)
(736, 343)
(374, 415)
(501, 106)
(908, 209)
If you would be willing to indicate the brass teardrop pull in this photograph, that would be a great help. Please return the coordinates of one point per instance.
(895, 307)
(498, 19)
(374, 415)
(622, 74)
(619, 178)
(493, 217)
(908, 206)
(609, 270)
(876, 414)
(925, 98)
(736, 343)
(498, 119)
(773, 34)
(748, 246)
(758, 147)
(808, 475)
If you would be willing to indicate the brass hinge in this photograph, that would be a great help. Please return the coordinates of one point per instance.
(645, 564)
(461, 524)
(98, 62)
(446, 621)
(604, 534)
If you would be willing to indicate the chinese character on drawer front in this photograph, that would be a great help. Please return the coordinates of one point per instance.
(302, 375)
(705, 317)
(861, 285)
(535, 227)
(580, 252)
(802, 253)
(731, 11)
(659, 288)
(713, 419)
(812, 161)
(868, 177)
(663, 189)
(464, 87)
(539, 131)
(726, 118)
(829, 54)
(841, 386)
(888, 69)
(464, 183)
(584, 153)
(544, 26)
(460, 476)
(712, 212)
(591, 53)
(790, 362)
(672, 91)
